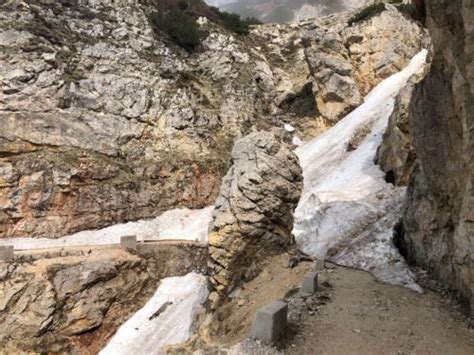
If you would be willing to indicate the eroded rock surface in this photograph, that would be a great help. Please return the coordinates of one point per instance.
(439, 221)
(104, 122)
(325, 67)
(396, 156)
(74, 300)
(253, 218)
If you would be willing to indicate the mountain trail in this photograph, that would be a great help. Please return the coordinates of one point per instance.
(352, 313)
(363, 316)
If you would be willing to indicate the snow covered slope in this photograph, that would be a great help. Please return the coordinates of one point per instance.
(166, 319)
(347, 210)
(177, 224)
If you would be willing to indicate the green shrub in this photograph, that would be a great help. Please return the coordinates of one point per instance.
(177, 19)
(180, 27)
(235, 23)
(367, 12)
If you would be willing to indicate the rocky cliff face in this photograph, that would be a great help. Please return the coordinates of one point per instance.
(439, 222)
(104, 121)
(100, 119)
(69, 301)
(325, 67)
(396, 156)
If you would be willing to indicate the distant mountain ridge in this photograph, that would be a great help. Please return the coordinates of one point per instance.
(286, 10)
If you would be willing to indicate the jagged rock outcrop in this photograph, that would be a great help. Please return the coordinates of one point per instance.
(439, 221)
(253, 217)
(396, 156)
(325, 66)
(104, 121)
(70, 301)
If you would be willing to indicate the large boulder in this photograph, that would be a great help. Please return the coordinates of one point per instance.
(253, 217)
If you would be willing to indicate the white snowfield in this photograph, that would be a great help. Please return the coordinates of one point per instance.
(166, 319)
(347, 211)
(177, 224)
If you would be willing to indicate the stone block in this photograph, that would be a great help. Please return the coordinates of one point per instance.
(320, 264)
(6, 253)
(129, 242)
(270, 322)
(310, 282)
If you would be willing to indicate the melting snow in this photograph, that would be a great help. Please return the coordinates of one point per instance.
(347, 210)
(166, 319)
(177, 224)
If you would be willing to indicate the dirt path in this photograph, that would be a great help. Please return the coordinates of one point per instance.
(352, 314)
(363, 316)
(233, 320)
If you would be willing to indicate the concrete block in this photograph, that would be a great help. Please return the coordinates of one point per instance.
(310, 282)
(129, 242)
(270, 322)
(320, 264)
(6, 253)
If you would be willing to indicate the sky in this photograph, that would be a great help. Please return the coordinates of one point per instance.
(285, 10)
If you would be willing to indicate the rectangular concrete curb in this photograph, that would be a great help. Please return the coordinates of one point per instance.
(128, 242)
(6, 253)
(320, 264)
(270, 322)
(310, 282)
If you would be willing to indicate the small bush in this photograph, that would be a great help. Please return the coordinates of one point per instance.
(180, 27)
(235, 23)
(367, 13)
(177, 19)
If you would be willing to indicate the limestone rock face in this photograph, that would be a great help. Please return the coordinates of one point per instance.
(99, 119)
(253, 217)
(103, 121)
(439, 222)
(325, 67)
(69, 301)
(396, 156)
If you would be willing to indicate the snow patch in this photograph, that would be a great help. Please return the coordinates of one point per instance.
(289, 128)
(347, 210)
(177, 224)
(166, 319)
(297, 141)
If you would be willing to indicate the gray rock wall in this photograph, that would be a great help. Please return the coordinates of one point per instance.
(396, 155)
(439, 221)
